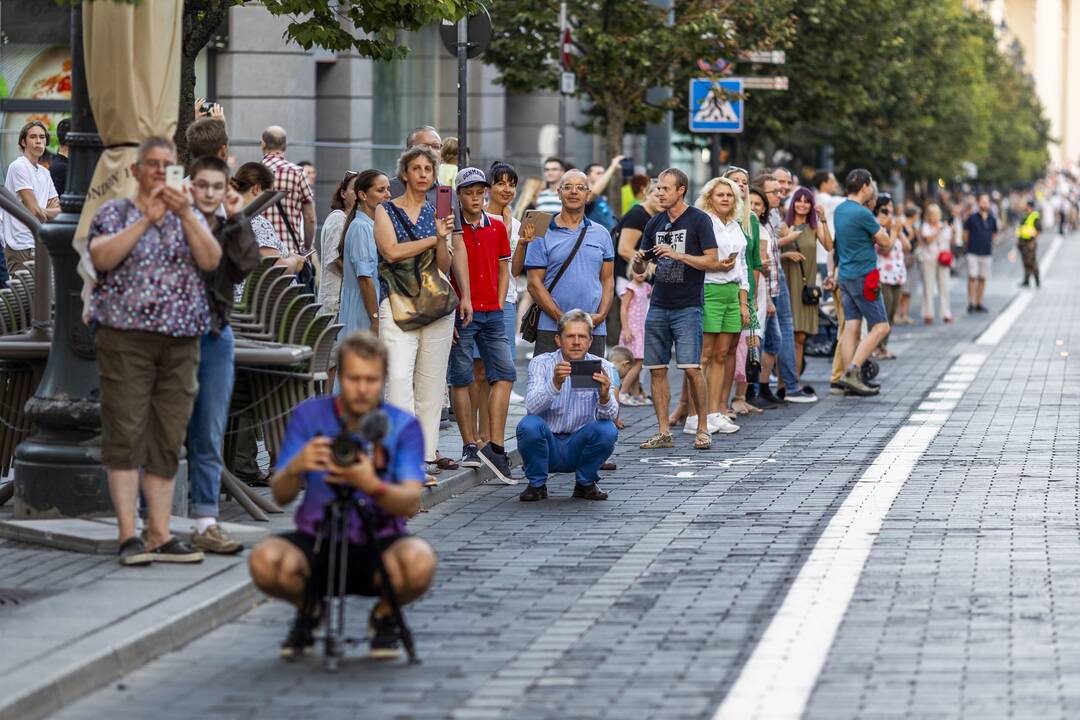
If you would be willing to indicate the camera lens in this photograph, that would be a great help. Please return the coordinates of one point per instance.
(344, 451)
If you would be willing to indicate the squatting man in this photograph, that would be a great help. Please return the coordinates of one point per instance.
(289, 566)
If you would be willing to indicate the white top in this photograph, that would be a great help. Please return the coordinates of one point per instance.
(829, 202)
(514, 230)
(729, 239)
(24, 175)
(330, 279)
(933, 249)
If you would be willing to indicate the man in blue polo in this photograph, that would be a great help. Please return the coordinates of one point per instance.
(980, 229)
(589, 280)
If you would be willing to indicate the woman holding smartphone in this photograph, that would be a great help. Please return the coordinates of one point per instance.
(406, 227)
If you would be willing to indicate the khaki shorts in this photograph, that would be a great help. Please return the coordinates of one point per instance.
(16, 259)
(148, 387)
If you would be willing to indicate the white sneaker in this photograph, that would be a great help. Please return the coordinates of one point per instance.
(515, 398)
(720, 424)
(690, 426)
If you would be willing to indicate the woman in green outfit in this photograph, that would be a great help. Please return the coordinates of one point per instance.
(803, 228)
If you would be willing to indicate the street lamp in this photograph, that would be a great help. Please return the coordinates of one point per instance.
(58, 470)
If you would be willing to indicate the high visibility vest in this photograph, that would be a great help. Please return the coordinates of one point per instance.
(1027, 231)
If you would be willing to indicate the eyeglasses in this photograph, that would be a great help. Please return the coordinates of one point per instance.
(772, 192)
(156, 164)
(575, 188)
(732, 169)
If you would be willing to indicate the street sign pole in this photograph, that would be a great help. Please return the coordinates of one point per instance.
(463, 92)
(714, 155)
(562, 94)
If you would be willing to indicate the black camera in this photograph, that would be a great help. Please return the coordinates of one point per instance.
(347, 447)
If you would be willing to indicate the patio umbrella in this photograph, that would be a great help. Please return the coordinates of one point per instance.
(132, 54)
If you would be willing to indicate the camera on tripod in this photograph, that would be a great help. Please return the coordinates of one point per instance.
(346, 448)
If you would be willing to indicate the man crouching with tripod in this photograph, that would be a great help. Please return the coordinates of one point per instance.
(386, 474)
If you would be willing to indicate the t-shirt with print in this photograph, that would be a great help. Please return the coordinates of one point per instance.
(855, 230)
(676, 284)
(580, 285)
(24, 175)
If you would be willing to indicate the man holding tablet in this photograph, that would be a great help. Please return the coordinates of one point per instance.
(572, 409)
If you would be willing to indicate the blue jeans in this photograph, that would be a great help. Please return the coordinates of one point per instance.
(487, 333)
(581, 452)
(681, 327)
(206, 428)
(780, 338)
(510, 318)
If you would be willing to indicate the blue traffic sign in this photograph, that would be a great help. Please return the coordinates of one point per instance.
(716, 106)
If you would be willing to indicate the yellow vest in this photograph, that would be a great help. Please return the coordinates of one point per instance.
(1027, 231)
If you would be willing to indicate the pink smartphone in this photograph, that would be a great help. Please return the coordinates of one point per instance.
(443, 203)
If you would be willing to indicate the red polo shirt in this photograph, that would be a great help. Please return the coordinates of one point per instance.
(487, 245)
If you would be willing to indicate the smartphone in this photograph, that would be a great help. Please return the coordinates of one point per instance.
(307, 253)
(174, 176)
(539, 221)
(733, 255)
(627, 167)
(581, 374)
(444, 204)
(650, 255)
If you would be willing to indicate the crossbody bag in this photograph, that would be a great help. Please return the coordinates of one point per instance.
(530, 324)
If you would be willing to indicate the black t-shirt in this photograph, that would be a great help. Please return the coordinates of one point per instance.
(635, 219)
(58, 170)
(677, 285)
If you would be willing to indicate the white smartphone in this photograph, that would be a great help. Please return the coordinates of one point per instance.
(174, 176)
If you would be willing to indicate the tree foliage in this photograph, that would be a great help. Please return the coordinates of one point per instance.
(624, 48)
(922, 87)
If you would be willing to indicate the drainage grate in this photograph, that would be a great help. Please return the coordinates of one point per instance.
(11, 598)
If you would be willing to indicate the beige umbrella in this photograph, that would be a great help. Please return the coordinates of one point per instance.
(132, 54)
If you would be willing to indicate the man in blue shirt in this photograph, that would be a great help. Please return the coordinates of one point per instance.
(568, 429)
(980, 229)
(858, 236)
(389, 478)
(589, 280)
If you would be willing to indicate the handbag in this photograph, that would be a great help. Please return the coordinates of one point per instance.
(530, 324)
(305, 276)
(811, 294)
(418, 291)
(945, 258)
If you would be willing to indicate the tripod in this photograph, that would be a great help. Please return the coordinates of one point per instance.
(336, 522)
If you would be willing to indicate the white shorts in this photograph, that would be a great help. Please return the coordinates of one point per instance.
(979, 266)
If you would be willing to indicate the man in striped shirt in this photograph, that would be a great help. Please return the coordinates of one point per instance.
(568, 429)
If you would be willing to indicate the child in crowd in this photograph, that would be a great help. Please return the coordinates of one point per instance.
(633, 308)
(623, 360)
(448, 167)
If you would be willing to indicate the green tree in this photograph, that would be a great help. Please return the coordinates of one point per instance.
(622, 49)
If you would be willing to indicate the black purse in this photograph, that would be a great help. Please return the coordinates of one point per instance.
(811, 295)
(530, 323)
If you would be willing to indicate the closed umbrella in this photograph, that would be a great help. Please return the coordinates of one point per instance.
(132, 56)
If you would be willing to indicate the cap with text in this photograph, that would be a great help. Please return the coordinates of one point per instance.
(470, 176)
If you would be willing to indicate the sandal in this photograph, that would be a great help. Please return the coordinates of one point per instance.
(742, 407)
(658, 441)
(445, 463)
(703, 441)
(430, 481)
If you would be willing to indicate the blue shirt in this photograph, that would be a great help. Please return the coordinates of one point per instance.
(855, 228)
(423, 228)
(580, 286)
(359, 259)
(981, 233)
(404, 445)
(570, 409)
(600, 212)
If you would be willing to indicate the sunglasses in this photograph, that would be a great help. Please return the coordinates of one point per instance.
(349, 175)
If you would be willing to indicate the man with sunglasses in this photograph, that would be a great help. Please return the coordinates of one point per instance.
(682, 243)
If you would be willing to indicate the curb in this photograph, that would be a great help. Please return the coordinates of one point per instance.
(56, 679)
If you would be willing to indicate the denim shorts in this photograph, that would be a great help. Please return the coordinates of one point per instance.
(857, 307)
(681, 327)
(487, 333)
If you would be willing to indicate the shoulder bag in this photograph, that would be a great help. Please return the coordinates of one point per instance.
(419, 292)
(305, 276)
(530, 324)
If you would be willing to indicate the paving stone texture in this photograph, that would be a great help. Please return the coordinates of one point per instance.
(646, 606)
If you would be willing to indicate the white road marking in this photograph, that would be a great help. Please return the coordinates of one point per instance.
(778, 678)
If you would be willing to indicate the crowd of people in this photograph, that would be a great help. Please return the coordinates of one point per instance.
(436, 272)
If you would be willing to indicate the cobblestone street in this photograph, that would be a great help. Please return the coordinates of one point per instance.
(678, 597)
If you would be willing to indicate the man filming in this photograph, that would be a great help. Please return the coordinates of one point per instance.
(388, 476)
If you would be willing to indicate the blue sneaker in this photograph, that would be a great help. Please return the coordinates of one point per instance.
(470, 456)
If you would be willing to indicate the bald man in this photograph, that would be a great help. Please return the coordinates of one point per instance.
(296, 226)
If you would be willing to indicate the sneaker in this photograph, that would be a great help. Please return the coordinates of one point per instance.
(589, 492)
(384, 637)
(658, 441)
(766, 394)
(533, 493)
(470, 456)
(713, 420)
(981, 309)
(301, 640)
(499, 464)
(719, 423)
(133, 552)
(970, 309)
(852, 382)
(801, 397)
(215, 540)
(515, 398)
(836, 388)
(177, 551)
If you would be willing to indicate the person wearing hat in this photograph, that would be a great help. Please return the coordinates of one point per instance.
(488, 247)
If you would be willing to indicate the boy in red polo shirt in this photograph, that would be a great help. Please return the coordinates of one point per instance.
(489, 273)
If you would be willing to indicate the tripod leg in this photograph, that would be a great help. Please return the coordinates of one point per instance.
(387, 587)
(331, 648)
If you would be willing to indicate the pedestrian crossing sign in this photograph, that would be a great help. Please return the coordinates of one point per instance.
(716, 106)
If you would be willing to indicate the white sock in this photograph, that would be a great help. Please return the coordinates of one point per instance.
(203, 524)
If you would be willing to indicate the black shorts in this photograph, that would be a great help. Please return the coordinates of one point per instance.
(360, 576)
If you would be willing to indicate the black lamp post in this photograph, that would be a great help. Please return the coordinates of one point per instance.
(58, 471)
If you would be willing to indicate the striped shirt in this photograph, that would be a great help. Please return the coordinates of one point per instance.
(548, 200)
(570, 409)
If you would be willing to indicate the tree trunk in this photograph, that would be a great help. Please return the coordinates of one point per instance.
(201, 18)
